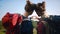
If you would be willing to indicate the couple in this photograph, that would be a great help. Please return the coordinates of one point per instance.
(39, 9)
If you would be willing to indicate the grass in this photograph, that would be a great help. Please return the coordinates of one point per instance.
(2, 30)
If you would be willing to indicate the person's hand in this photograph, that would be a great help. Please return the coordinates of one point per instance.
(29, 7)
(40, 8)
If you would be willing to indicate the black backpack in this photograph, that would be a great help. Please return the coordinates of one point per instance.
(54, 24)
(26, 27)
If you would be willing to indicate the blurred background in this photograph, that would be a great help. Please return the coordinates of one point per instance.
(17, 6)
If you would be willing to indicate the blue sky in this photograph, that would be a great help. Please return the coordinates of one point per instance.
(17, 6)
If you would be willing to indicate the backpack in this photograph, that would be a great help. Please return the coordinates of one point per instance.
(26, 27)
(41, 29)
(54, 24)
(10, 22)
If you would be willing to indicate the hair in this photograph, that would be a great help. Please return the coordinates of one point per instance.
(40, 7)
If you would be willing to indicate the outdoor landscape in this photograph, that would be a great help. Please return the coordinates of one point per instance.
(2, 30)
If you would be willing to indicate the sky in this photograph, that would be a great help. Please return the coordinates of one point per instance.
(17, 6)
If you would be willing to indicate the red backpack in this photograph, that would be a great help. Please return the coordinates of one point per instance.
(9, 21)
(41, 27)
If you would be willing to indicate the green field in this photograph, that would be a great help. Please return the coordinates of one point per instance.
(2, 30)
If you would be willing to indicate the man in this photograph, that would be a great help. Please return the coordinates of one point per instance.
(26, 25)
(52, 21)
(42, 27)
